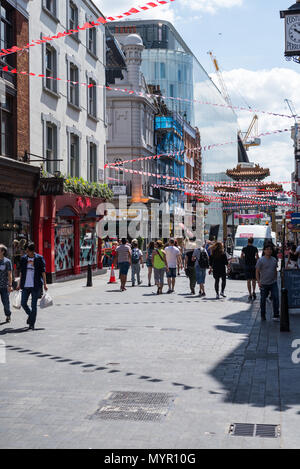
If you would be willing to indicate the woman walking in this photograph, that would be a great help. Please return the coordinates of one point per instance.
(149, 264)
(159, 263)
(218, 262)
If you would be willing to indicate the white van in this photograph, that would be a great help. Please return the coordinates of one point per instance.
(260, 234)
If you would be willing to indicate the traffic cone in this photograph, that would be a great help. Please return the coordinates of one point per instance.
(112, 275)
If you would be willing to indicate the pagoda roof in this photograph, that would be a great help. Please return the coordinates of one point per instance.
(243, 173)
(271, 187)
(227, 189)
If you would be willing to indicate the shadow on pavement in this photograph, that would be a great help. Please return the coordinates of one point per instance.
(88, 367)
(260, 372)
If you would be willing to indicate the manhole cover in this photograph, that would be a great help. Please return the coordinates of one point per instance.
(255, 430)
(139, 406)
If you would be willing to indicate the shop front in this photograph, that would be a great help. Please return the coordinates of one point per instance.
(66, 233)
(19, 184)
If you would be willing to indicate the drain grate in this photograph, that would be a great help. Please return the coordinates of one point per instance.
(254, 430)
(138, 406)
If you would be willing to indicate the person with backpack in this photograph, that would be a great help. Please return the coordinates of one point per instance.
(136, 262)
(250, 255)
(189, 265)
(160, 265)
(201, 259)
(218, 262)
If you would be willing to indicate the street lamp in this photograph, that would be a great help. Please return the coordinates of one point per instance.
(292, 31)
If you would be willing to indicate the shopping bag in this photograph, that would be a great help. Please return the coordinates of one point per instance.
(46, 301)
(16, 299)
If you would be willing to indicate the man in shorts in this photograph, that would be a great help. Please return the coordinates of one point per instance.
(250, 255)
(124, 261)
(173, 256)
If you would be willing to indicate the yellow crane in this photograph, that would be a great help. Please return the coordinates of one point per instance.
(250, 138)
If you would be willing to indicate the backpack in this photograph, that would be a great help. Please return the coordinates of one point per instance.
(203, 260)
(135, 256)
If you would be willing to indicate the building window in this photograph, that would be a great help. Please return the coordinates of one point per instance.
(73, 85)
(50, 6)
(92, 40)
(51, 69)
(6, 32)
(74, 155)
(73, 18)
(92, 163)
(162, 70)
(7, 126)
(92, 98)
(51, 148)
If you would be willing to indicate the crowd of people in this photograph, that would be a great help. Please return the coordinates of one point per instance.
(161, 259)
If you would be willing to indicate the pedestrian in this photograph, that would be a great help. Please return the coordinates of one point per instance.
(298, 252)
(189, 264)
(136, 262)
(218, 262)
(250, 256)
(150, 249)
(202, 264)
(32, 280)
(124, 261)
(5, 281)
(180, 258)
(173, 257)
(266, 276)
(292, 262)
(159, 262)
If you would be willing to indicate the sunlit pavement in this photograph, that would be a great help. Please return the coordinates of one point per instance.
(211, 363)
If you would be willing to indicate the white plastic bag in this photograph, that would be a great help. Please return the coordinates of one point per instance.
(16, 299)
(46, 301)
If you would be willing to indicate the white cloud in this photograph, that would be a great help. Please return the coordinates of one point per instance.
(109, 8)
(266, 90)
(211, 6)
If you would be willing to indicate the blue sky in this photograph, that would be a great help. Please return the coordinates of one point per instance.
(247, 37)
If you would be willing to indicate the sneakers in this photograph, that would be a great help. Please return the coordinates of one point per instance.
(223, 295)
(276, 318)
(217, 296)
(8, 319)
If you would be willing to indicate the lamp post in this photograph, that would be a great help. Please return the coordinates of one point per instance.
(291, 17)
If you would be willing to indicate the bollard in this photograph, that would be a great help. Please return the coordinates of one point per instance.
(89, 282)
(284, 312)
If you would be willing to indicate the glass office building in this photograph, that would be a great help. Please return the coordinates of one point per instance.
(189, 91)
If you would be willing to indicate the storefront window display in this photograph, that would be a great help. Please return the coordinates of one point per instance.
(64, 246)
(88, 243)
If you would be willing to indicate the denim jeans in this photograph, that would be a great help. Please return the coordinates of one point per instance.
(264, 292)
(136, 271)
(35, 294)
(5, 301)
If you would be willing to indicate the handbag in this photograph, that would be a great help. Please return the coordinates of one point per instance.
(46, 301)
(16, 299)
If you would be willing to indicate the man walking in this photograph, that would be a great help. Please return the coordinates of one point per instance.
(5, 281)
(136, 262)
(124, 261)
(201, 259)
(250, 255)
(32, 280)
(266, 276)
(173, 256)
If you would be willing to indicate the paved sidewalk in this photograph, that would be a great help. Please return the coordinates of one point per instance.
(214, 359)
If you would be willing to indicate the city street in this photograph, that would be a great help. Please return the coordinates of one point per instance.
(209, 364)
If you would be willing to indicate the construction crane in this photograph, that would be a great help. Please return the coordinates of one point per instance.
(291, 106)
(250, 138)
(222, 83)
